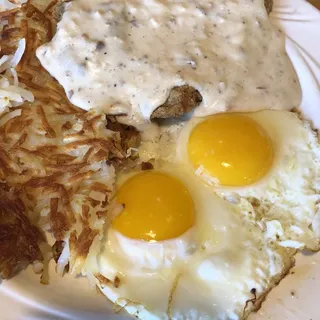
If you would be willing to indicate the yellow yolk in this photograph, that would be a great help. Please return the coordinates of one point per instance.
(232, 148)
(156, 207)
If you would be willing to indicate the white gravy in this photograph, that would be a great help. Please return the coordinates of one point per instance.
(124, 56)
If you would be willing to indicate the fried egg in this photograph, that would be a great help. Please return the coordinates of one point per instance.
(268, 162)
(181, 252)
(160, 221)
(218, 220)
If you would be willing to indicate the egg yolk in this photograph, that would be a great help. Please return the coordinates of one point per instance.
(232, 148)
(156, 207)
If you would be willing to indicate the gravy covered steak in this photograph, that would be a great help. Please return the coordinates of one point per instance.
(161, 59)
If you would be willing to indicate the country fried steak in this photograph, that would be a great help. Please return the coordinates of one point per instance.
(181, 100)
(185, 98)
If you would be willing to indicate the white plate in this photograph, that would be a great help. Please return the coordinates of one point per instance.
(296, 298)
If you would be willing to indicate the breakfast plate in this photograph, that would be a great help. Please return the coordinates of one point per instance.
(295, 297)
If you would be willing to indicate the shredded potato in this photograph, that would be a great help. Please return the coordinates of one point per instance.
(12, 94)
(12, 4)
(53, 154)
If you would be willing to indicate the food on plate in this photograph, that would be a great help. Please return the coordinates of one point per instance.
(143, 218)
(195, 262)
(126, 56)
(231, 148)
(53, 154)
(10, 5)
(12, 93)
(202, 256)
(172, 210)
(20, 240)
(129, 136)
(181, 100)
(268, 5)
(267, 161)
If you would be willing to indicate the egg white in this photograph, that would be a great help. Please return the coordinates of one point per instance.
(235, 245)
(214, 225)
(289, 193)
(207, 272)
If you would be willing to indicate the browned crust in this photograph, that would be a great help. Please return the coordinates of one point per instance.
(130, 136)
(57, 250)
(255, 304)
(146, 166)
(50, 133)
(268, 5)
(58, 221)
(103, 281)
(19, 239)
(80, 246)
(38, 148)
(181, 100)
(298, 112)
(171, 295)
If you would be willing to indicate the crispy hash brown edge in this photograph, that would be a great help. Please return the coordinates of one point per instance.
(19, 239)
(57, 169)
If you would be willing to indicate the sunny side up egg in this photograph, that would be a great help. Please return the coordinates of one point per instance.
(268, 162)
(181, 252)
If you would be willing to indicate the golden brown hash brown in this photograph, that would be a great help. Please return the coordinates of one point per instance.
(268, 5)
(52, 152)
(19, 239)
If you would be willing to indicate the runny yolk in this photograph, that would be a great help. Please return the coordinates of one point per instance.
(156, 207)
(232, 148)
